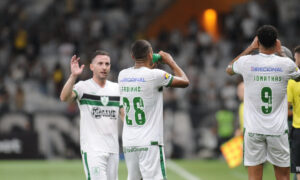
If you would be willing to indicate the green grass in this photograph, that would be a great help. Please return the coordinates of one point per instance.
(73, 170)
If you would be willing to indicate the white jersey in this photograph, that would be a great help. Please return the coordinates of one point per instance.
(265, 97)
(99, 112)
(142, 98)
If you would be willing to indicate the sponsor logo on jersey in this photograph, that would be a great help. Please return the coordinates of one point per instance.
(167, 75)
(104, 100)
(266, 69)
(98, 113)
(133, 80)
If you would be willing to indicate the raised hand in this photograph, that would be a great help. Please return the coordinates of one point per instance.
(278, 47)
(75, 69)
(166, 57)
(255, 43)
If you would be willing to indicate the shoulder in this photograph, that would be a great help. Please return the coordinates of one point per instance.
(112, 84)
(158, 71)
(125, 70)
(246, 57)
(291, 82)
(285, 60)
(83, 82)
(243, 59)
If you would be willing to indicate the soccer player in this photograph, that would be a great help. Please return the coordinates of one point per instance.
(265, 103)
(141, 89)
(98, 101)
(293, 92)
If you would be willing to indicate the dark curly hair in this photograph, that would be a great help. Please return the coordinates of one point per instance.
(267, 36)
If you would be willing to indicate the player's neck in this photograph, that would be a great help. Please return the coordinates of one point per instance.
(267, 51)
(139, 64)
(100, 82)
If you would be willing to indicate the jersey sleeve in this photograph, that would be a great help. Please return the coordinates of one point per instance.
(78, 89)
(238, 66)
(121, 98)
(290, 90)
(162, 78)
(293, 70)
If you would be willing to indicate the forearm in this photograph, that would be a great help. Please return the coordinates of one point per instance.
(66, 93)
(290, 110)
(229, 68)
(121, 114)
(178, 71)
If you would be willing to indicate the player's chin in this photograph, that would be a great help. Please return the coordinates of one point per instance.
(102, 76)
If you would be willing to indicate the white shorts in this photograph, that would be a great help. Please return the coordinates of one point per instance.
(258, 148)
(147, 162)
(100, 165)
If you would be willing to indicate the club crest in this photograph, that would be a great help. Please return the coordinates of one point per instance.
(104, 100)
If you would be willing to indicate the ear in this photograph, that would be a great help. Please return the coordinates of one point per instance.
(91, 67)
(150, 56)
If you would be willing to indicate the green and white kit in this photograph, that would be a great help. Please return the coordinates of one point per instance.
(265, 100)
(99, 112)
(265, 107)
(142, 99)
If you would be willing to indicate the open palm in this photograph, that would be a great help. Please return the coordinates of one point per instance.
(75, 69)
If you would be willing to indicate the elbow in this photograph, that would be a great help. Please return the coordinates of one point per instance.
(186, 84)
(62, 98)
(229, 71)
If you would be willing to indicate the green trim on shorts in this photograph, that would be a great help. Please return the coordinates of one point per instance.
(154, 143)
(162, 164)
(87, 166)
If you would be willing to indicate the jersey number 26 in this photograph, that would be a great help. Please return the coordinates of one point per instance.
(139, 113)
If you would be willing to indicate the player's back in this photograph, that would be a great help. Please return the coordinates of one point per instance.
(265, 78)
(141, 94)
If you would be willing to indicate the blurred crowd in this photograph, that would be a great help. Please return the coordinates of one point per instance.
(38, 38)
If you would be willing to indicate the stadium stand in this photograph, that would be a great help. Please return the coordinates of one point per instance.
(37, 39)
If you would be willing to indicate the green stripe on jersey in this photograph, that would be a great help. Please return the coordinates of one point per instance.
(170, 82)
(75, 93)
(98, 103)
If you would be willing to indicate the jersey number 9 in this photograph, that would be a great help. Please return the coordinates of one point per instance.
(266, 97)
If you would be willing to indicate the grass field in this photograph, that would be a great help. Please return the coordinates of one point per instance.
(73, 170)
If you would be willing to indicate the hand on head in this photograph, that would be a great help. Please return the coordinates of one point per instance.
(255, 43)
(278, 47)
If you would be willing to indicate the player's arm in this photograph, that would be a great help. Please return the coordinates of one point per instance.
(67, 93)
(290, 110)
(121, 113)
(248, 50)
(179, 79)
